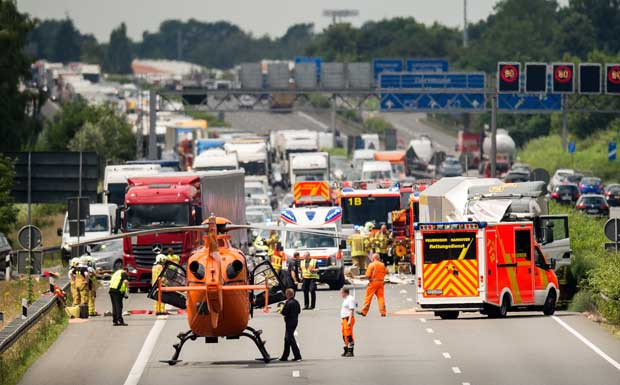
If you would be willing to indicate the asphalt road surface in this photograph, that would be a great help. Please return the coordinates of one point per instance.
(410, 125)
(265, 122)
(404, 348)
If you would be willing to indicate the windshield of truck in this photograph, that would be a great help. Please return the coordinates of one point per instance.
(254, 168)
(359, 210)
(373, 175)
(140, 217)
(214, 168)
(308, 241)
(253, 190)
(116, 193)
(309, 176)
(446, 245)
(94, 223)
(398, 168)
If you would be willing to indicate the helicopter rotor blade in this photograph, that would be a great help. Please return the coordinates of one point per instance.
(141, 232)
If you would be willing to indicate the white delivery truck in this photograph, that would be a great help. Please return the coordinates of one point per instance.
(377, 170)
(326, 249)
(252, 155)
(100, 223)
(115, 179)
(308, 166)
(215, 159)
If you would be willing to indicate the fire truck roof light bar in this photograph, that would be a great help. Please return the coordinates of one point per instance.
(449, 225)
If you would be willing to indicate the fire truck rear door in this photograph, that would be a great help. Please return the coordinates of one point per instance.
(450, 264)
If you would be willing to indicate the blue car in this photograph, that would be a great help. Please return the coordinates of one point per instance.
(590, 185)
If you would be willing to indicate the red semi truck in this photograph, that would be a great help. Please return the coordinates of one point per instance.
(180, 199)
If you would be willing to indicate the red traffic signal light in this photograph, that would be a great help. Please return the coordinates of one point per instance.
(508, 76)
(612, 80)
(563, 81)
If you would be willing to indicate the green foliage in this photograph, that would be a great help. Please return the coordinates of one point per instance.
(91, 128)
(8, 212)
(377, 125)
(335, 151)
(351, 115)
(605, 281)
(319, 101)
(595, 271)
(591, 155)
(17, 128)
(118, 55)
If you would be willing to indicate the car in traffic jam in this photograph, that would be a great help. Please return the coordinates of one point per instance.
(593, 204)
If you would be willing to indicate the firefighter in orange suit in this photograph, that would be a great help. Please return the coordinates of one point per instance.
(376, 274)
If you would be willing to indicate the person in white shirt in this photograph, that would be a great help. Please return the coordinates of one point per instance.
(347, 318)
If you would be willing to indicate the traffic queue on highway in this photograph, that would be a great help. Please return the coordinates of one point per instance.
(470, 243)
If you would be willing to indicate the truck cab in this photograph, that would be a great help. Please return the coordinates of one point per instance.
(100, 223)
(214, 160)
(312, 166)
(324, 248)
(155, 202)
(377, 171)
(397, 162)
(482, 267)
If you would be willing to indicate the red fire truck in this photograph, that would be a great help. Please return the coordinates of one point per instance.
(475, 266)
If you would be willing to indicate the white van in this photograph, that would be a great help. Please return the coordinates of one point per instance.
(376, 170)
(101, 223)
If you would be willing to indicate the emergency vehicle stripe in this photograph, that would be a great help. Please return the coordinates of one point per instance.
(432, 269)
(440, 276)
(510, 272)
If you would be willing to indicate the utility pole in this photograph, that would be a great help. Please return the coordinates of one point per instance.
(493, 155)
(465, 38)
(564, 131)
(152, 124)
(338, 14)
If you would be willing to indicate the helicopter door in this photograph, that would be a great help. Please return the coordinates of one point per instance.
(173, 275)
(265, 272)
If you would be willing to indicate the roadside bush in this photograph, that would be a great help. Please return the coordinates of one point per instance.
(605, 281)
(594, 271)
(377, 125)
(591, 155)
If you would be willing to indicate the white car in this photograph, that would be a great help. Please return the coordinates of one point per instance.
(256, 192)
(559, 177)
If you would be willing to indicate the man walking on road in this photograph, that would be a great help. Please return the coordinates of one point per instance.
(347, 321)
(290, 311)
(118, 290)
(376, 275)
(310, 274)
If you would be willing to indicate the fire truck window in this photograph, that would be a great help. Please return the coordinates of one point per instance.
(523, 244)
(540, 258)
(449, 246)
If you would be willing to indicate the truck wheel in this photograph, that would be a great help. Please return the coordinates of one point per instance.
(117, 265)
(447, 314)
(550, 302)
(338, 284)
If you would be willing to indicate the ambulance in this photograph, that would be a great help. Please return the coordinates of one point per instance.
(326, 249)
(489, 268)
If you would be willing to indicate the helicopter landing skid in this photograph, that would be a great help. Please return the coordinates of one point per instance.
(189, 335)
(254, 335)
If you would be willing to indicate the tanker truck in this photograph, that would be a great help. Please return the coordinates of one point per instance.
(506, 149)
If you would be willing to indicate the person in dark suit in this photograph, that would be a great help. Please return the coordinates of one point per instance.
(290, 311)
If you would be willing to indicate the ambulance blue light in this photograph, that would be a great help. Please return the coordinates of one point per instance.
(333, 214)
(288, 216)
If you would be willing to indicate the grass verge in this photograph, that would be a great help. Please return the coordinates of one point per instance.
(12, 293)
(16, 360)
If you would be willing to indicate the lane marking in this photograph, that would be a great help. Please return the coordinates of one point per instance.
(310, 118)
(446, 356)
(466, 383)
(430, 331)
(456, 370)
(437, 342)
(145, 353)
(295, 373)
(423, 320)
(587, 342)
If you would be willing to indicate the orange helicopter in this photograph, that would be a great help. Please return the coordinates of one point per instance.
(217, 289)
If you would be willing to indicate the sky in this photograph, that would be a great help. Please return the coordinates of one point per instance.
(260, 17)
